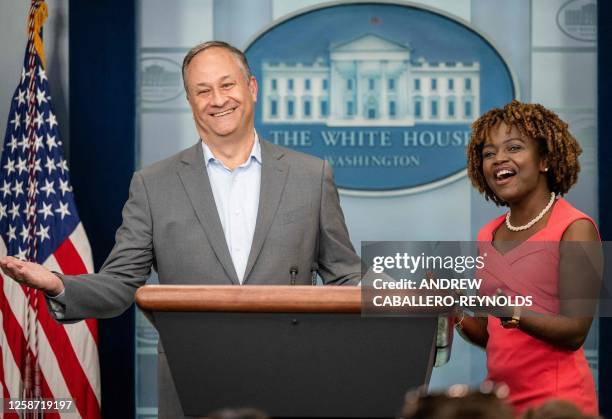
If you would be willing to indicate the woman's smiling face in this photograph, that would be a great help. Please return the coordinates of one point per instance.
(511, 163)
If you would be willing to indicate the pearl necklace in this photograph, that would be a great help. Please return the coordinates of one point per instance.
(535, 220)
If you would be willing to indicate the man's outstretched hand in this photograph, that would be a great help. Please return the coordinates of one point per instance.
(32, 274)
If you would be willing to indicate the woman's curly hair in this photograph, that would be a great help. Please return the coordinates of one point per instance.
(556, 144)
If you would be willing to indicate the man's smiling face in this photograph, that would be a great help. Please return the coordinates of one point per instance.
(221, 96)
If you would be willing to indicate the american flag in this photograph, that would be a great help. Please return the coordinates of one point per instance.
(39, 358)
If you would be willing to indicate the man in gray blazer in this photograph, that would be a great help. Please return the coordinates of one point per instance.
(232, 209)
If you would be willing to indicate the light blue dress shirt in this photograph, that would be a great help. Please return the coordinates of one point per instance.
(236, 194)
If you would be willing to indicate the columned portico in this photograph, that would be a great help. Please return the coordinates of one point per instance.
(371, 81)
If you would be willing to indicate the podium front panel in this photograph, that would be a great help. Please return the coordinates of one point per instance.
(297, 365)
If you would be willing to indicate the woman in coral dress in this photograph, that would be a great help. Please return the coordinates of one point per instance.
(523, 157)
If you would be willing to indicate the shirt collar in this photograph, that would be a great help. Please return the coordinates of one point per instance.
(209, 157)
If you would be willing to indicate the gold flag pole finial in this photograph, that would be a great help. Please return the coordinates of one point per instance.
(40, 15)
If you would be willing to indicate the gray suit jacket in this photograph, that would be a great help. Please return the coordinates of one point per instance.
(171, 223)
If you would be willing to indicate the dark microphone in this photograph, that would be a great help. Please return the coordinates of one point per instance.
(293, 271)
(314, 270)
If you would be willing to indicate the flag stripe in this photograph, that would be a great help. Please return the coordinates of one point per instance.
(84, 346)
(70, 367)
(48, 369)
(5, 393)
(83, 341)
(70, 263)
(78, 237)
(55, 383)
(13, 328)
(11, 370)
(47, 393)
(68, 259)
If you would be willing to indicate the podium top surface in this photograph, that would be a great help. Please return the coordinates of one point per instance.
(250, 298)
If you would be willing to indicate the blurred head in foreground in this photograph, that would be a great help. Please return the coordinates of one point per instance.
(242, 413)
(556, 409)
(459, 402)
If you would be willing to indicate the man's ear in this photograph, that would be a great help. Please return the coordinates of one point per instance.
(253, 88)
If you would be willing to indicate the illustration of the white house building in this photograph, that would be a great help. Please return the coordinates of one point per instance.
(370, 81)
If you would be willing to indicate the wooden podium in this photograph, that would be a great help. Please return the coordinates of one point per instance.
(293, 351)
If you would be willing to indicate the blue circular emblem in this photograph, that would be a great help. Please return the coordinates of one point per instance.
(384, 92)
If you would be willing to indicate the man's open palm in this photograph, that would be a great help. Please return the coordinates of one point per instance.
(32, 275)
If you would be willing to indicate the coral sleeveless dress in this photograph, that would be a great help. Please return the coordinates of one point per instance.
(535, 371)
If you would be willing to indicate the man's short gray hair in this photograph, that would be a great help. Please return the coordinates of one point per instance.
(242, 60)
